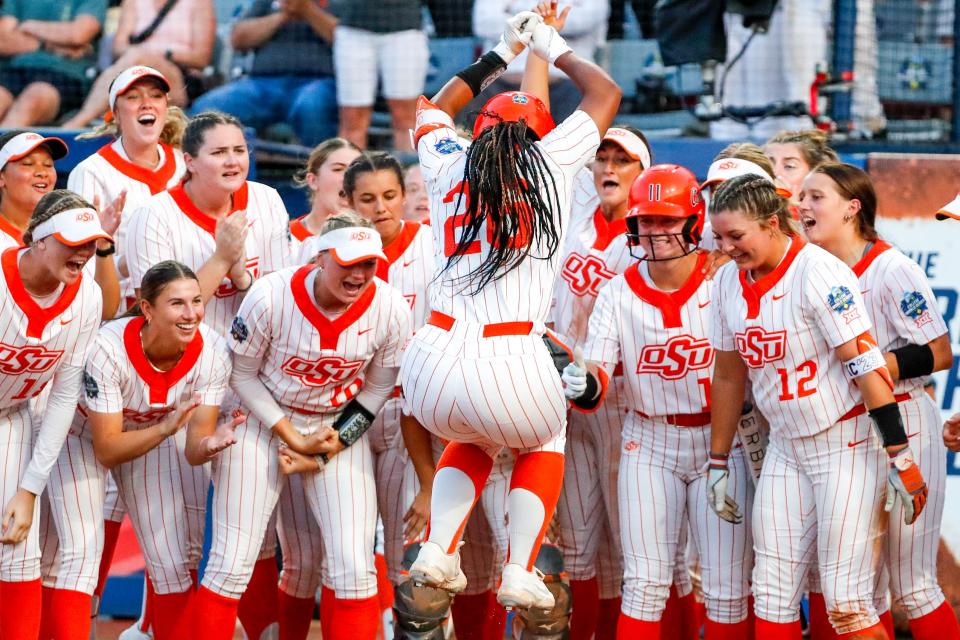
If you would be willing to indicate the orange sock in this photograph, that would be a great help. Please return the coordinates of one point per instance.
(671, 622)
(820, 627)
(632, 629)
(46, 613)
(495, 620)
(719, 631)
(356, 619)
(607, 621)
(886, 621)
(69, 614)
(258, 604)
(470, 611)
(295, 615)
(172, 615)
(20, 604)
(941, 623)
(384, 587)
(214, 616)
(146, 616)
(450, 507)
(539, 473)
(692, 616)
(327, 597)
(586, 608)
(111, 532)
(766, 630)
(876, 632)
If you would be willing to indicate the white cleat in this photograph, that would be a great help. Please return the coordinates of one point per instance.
(134, 633)
(522, 589)
(436, 568)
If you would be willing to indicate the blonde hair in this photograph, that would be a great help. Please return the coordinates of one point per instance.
(814, 145)
(172, 134)
(343, 220)
(756, 198)
(51, 204)
(749, 152)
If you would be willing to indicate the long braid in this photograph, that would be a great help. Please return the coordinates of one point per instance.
(505, 174)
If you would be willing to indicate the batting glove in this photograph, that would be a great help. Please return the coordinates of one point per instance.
(717, 475)
(574, 376)
(547, 43)
(516, 35)
(907, 485)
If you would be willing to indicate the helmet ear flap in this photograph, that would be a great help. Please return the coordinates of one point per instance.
(633, 230)
(691, 234)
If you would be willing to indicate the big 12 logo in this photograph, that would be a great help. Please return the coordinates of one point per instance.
(758, 346)
(673, 360)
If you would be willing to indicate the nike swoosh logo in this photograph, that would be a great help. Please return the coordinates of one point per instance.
(407, 264)
(779, 297)
(705, 304)
(853, 444)
(360, 333)
(864, 292)
(65, 322)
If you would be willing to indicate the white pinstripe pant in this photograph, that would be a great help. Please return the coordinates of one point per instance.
(342, 499)
(662, 485)
(18, 562)
(820, 499)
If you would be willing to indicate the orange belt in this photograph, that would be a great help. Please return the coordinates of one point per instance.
(445, 322)
(861, 409)
(397, 392)
(682, 419)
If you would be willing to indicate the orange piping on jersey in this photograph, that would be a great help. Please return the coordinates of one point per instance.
(393, 251)
(668, 303)
(299, 230)
(7, 227)
(37, 317)
(329, 330)
(156, 181)
(159, 382)
(203, 220)
(753, 292)
(606, 231)
(864, 263)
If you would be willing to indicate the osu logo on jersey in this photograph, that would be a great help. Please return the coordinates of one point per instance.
(757, 347)
(28, 359)
(674, 359)
(585, 274)
(323, 370)
(143, 417)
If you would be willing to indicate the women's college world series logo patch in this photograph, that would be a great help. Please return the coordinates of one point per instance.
(914, 306)
(841, 301)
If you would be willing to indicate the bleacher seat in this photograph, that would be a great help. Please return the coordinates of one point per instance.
(627, 60)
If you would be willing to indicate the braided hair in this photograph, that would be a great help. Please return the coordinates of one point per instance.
(505, 172)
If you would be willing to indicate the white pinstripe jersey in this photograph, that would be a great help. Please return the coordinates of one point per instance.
(313, 363)
(410, 268)
(786, 327)
(595, 252)
(302, 242)
(525, 293)
(118, 377)
(10, 236)
(900, 303)
(169, 226)
(35, 340)
(661, 338)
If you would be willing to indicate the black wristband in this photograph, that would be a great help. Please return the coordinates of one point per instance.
(481, 73)
(559, 353)
(591, 395)
(353, 422)
(103, 253)
(889, 424)
(914, 360)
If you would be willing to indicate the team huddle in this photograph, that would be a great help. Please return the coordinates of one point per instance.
(708, 398)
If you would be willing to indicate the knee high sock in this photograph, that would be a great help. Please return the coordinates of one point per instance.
(586, 608)
(258, 604)
(534, 490)
(461, 473)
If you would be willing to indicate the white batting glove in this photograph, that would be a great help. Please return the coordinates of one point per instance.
(516, 35)
(906, 485)
(547, 43)
(723, 505)
(574, 376)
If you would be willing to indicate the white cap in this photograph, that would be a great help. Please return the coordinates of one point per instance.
(950, 210)
(23, 145)
(350, 245)
(726, 168)
(631, 143)
(131, 75)
(72, 227)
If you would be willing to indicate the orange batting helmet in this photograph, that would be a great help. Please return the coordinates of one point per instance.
(670, 191)
(514, 106)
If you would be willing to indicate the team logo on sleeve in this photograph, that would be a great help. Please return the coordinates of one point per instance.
(914, 306)
(239, 330)
(758, 347)
(446, 146)
(90, 386)
(672, 361)
(840, 299)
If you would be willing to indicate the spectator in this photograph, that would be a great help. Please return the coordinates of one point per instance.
(176, 42)
(451, 18)
(384, 36)
(49, 48)
(291, 79)
(584, 31)
(642, 10)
